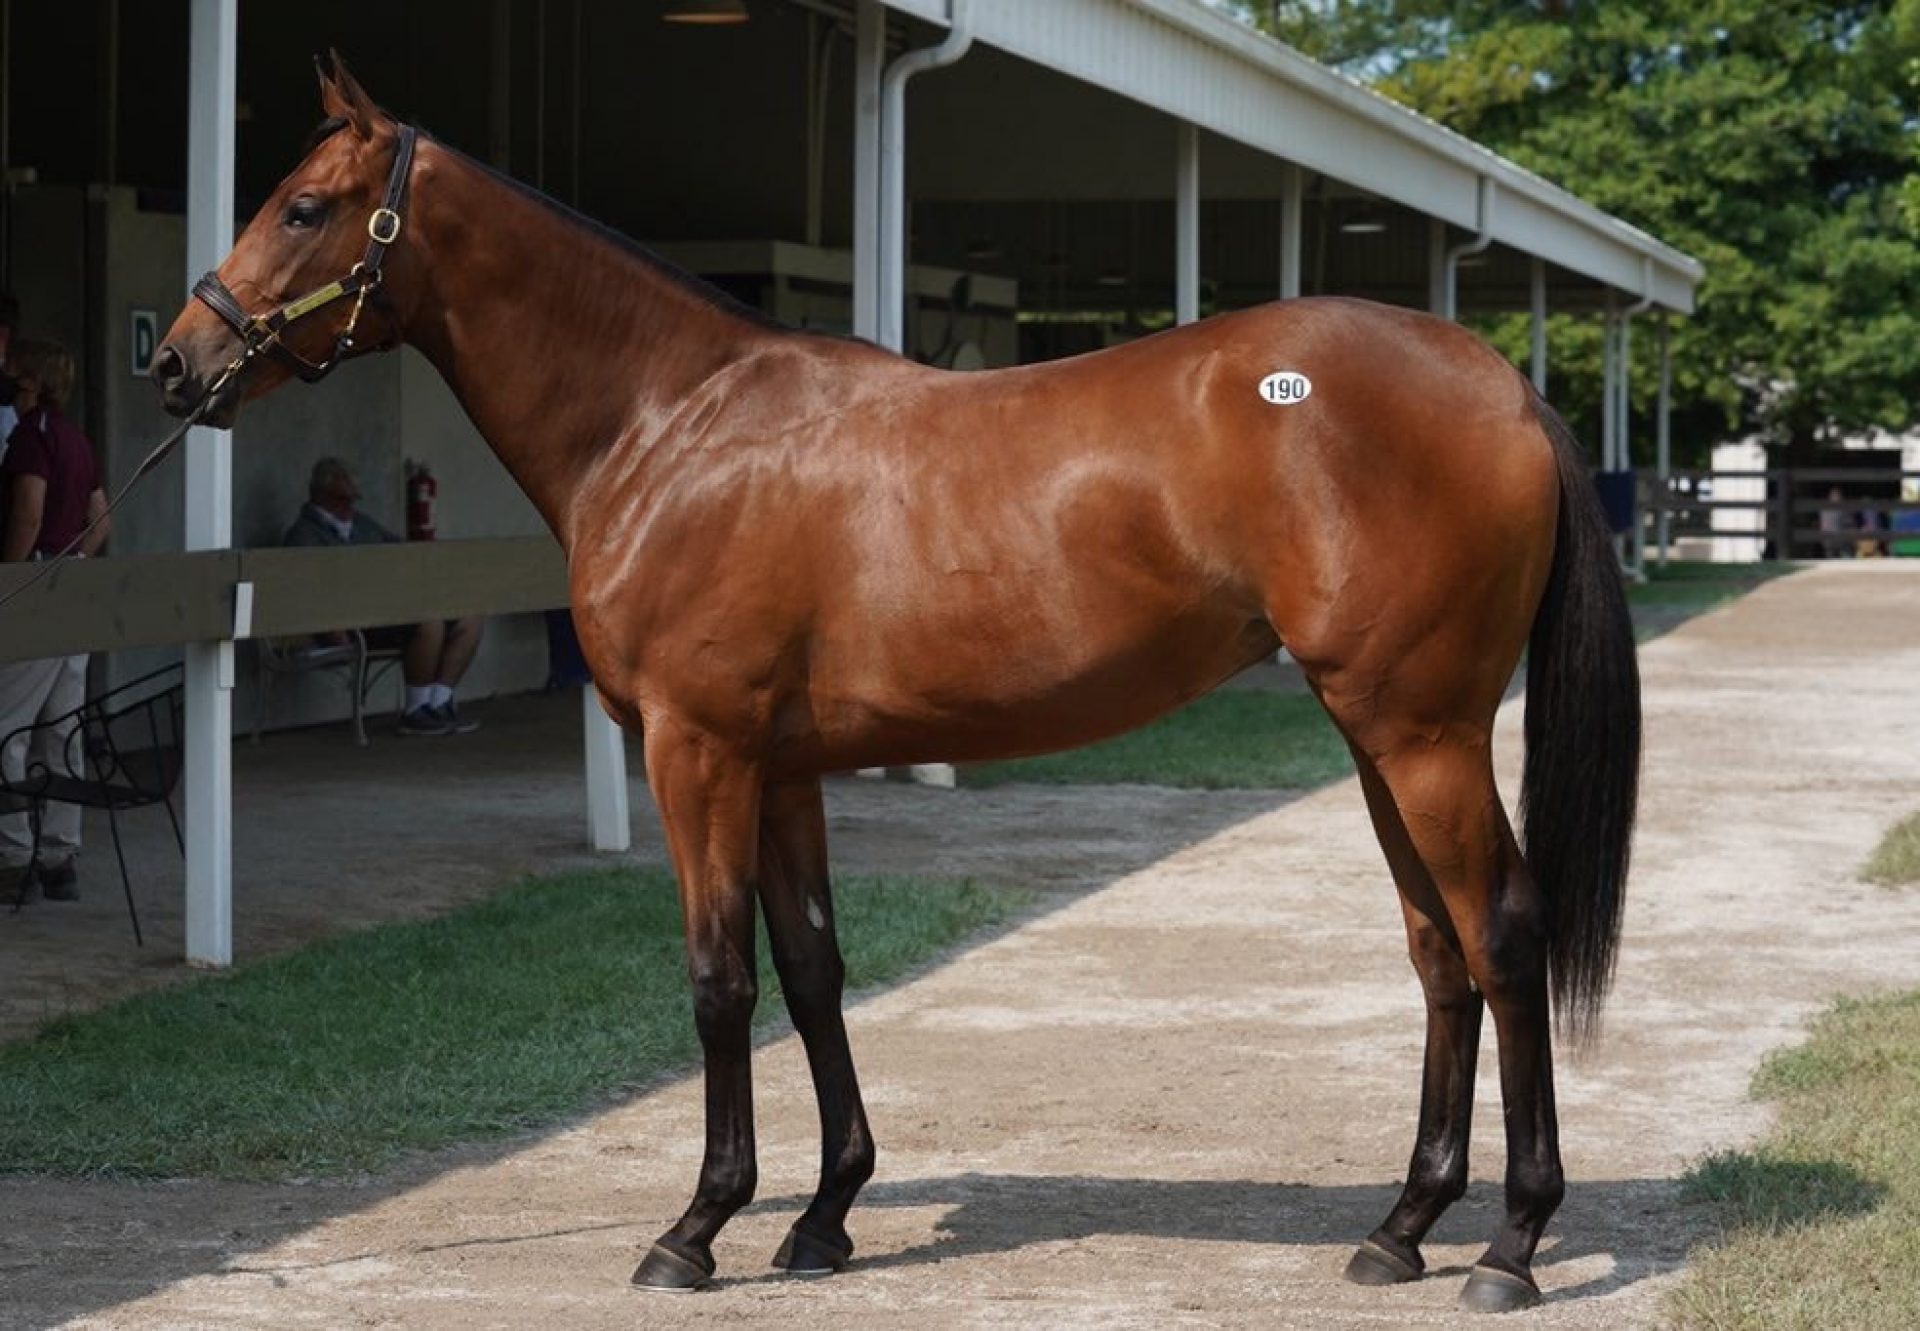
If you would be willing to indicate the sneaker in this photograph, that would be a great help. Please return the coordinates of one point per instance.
(60, 882)
(455, 723)
(425, 721)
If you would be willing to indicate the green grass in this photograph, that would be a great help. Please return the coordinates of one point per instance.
(1820, 1224)
(514, 1013)
(1672, 595)
(1896, 860)
(1252, 739)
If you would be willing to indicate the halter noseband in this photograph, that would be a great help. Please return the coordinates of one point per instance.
(262, 332)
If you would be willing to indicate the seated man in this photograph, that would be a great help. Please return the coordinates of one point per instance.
(437, 652)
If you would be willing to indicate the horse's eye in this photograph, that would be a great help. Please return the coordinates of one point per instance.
(304, 213)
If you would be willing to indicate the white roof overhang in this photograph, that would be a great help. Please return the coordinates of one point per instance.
(1184, 59)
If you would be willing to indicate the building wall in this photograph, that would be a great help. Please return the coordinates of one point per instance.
(375, 413)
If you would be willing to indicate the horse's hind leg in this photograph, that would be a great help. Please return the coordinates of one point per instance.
(795, 894)
(1437, 1173)
(710, 807)
(1441, 781)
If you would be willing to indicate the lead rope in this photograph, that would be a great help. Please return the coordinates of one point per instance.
(147, 464)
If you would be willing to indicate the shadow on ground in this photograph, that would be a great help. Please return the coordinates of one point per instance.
(169, 1233)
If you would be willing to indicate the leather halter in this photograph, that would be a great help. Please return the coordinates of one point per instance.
(262, 332)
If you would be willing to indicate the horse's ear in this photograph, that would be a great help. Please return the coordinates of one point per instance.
(341, 95)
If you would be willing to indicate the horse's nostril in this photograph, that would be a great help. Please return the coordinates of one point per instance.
(169, 368)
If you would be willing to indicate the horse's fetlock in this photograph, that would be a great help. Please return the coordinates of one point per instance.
(729, 1188)
(1536, 1189)
(856, 1163)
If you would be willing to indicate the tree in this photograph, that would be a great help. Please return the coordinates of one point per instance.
(1775, 140)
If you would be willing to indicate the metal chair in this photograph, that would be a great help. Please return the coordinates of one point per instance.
(122, 750)
(359, 667)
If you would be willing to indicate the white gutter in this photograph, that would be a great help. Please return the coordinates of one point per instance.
(1484, 237)
(893, 168)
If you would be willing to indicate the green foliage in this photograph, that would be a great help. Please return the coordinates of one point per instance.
(514, 1013)
(1772, 139)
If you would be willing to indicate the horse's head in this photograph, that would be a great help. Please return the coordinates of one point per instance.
(274, 295)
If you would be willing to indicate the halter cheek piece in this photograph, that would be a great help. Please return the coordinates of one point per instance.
(262, 332)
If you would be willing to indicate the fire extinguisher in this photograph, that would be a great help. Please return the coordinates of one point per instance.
(421, 490)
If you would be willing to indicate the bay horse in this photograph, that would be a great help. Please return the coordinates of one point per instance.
(793, 554)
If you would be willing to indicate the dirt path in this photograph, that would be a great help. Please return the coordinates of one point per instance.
(1175, 1101)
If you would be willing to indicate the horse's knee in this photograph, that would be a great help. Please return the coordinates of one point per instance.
(724, 994)
(812, 974)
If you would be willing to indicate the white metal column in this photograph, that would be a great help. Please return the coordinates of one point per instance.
(1540, 326)
(1663, 439)
(1292, 197)
(1186, 211)
(609, 823)
(1436, 267)
(1637, 538)
(870, 55)
(1609, 392)
(209, 515)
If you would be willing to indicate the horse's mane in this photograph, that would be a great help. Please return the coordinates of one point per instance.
(673, 272)
(620, 240)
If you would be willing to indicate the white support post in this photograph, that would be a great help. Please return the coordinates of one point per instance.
(870, 56)
(609, 822)
(1623, 414)
(1186, 244)
(209, 494)
(1540, 326)
(1437, 267)
(1663, 440)
(1637, 538)
(1292, 197)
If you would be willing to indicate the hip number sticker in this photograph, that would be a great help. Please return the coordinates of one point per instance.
(1285, 388)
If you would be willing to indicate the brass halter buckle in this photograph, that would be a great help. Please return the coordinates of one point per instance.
(384, 226)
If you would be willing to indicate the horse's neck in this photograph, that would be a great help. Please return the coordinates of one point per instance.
(558, 342)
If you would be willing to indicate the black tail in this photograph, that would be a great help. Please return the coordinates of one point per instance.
(1583, 744)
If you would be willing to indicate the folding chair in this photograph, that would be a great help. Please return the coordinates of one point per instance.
(123, 752)
(359, 667)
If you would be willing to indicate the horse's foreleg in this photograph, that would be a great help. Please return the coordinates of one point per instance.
(710, 807)
(794, 891)
(1446, 799)
(1437, 1174)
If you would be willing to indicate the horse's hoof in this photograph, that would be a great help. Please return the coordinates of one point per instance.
(1491, 1290)
(1375, 1264)
(673, 1272)
(804, 1254)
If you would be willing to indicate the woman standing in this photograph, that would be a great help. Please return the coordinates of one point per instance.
(51, 491)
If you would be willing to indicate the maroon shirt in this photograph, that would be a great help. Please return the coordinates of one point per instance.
(48, 445)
